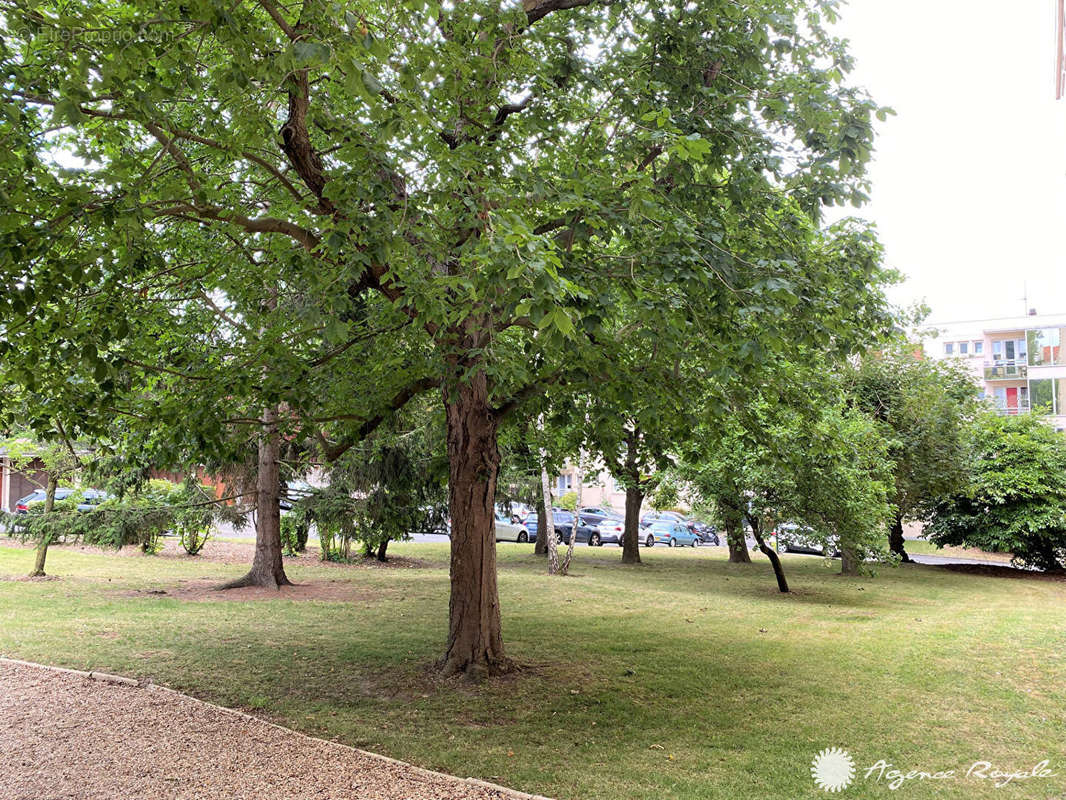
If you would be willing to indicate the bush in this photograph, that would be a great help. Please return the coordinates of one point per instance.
(295, 527)
(1016, 498)
(140, 518)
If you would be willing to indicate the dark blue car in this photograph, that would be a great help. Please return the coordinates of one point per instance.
(563, 523)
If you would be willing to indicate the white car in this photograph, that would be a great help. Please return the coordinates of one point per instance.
(507, 531)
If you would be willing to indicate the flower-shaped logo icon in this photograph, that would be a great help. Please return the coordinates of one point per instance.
(833, 769)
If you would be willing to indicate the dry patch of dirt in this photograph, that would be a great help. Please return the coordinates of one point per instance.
(333, 591)
(29, 578)
(240, 553)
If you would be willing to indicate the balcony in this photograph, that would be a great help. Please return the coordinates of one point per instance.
(1005, 369)
(1013, 411)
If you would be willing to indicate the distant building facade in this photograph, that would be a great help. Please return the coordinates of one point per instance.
(1019, 362)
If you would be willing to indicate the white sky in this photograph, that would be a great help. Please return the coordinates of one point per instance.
(969, 179)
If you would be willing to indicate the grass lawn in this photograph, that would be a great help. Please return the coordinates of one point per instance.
(688, 677)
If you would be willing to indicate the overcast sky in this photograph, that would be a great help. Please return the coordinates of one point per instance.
(969, 181)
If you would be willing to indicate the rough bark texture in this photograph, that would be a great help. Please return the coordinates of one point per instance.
(46, 537)
(267, 569)
(769, 552)
(734, 534)
(541, 546)
(634, 500)
(475, 641)
(631, 533)
(895, 538)
(849, 561)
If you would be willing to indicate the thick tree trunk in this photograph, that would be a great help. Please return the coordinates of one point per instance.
(267, 569)
(733, 520)
(769, 552)
(895, 538)
(475, 641)
(46, 536)
(631, 532)
(849, 560)
(382, 549)
(541, 546)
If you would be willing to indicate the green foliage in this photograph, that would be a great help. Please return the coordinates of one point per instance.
(295, 529)
(140, 518)
(1015, 500)
(811, 461)
(924, 408)
(153, 279)
(667, 493)
(568, 501)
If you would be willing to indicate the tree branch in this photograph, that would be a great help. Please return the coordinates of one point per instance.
(404, 396)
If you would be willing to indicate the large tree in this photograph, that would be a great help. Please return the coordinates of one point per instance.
(469, 166)
(1014, 498)
(791, 451)
(924, 407)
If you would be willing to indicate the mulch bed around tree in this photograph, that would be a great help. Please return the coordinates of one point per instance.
(230, 552)
(200, 590)
(67, 736)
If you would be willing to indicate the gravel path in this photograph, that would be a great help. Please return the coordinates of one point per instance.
(66, 736)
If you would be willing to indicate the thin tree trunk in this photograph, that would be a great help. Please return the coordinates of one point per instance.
(551, 541)
(475, 640)
(46, 535)
(545, 522)
(895, 538)
(733, 520)
(267, 569)
(565, 568)
(769, 552)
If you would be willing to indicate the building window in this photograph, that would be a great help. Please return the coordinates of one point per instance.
(565, 483)
(1043, 396)
(1045, 346)
(964, 348)
(978, 347)
(949, 348)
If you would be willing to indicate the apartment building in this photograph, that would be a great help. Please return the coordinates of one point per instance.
(1019, 362)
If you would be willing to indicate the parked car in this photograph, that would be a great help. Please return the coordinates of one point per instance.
(563, 522)
(670, 533)
(708, 533)
(607, 529)
(22, 505)
(599, 512)
(91, 498)
(794, 538)
(507, 531)
(657, 516)
(516, 512)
